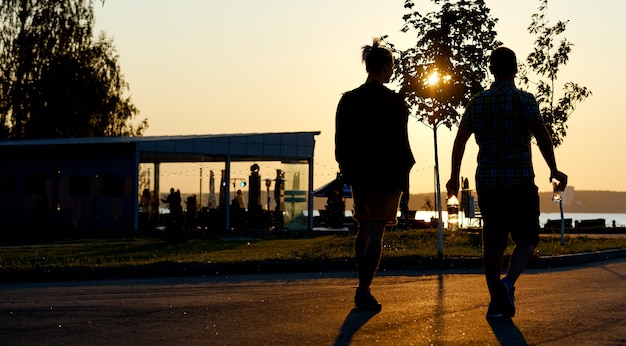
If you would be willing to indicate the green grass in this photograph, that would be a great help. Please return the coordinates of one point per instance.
(101, 253)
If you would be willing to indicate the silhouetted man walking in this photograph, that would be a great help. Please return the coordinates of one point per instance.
(503, 119)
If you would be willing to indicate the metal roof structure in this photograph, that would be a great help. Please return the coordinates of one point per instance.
(281, 146)
(240, 147)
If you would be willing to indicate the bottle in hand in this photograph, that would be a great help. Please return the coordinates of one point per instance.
(556, 191)
(453, 213)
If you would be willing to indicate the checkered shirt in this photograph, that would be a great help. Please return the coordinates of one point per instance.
(500, 119)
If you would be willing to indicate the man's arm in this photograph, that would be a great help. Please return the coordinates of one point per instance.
(458, 150)
(544, 141)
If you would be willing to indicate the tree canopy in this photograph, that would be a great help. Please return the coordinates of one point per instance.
(446, 67)
(448, 64)
(56, 78)
(545, 61)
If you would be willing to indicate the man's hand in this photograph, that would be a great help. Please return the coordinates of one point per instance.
(453, 187)
(561, 177)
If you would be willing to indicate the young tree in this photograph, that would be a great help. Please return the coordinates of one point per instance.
(447, 66)
(56, 79)
(545, 61)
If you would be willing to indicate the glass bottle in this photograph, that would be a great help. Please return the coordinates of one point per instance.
(556, 192)
(453, 213)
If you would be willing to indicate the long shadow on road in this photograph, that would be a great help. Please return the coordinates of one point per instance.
(507, 332)
(353, 322)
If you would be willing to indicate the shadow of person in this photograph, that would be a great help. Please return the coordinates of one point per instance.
(506, 332)
(353, 322)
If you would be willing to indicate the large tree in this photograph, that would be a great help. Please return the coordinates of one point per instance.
(56, 78)
(447, 65)
(551, 51)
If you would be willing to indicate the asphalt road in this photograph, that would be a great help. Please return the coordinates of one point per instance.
(580, 305)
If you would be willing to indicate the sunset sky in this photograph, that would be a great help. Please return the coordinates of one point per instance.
(216, 67)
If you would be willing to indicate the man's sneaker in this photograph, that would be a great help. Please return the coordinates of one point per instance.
(494, 311)
(366, 302)
(506, 297)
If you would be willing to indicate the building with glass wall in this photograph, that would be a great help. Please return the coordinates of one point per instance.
(117, 183)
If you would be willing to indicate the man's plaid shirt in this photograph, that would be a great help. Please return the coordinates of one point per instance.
(500, 119)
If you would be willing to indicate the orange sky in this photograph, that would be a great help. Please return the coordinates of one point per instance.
(212, 67)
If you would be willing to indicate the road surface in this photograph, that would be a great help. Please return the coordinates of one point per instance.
(582, 305)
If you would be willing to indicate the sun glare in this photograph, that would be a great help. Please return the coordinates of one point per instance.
(433, 79)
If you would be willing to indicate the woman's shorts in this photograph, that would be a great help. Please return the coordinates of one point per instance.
(376, 206)
(510, 210)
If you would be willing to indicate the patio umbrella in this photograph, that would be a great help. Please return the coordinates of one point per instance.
(335, 185)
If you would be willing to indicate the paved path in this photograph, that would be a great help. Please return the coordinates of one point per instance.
(583, 305)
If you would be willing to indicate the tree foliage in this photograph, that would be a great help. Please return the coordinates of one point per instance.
(446, 67)
(448, 64)
(56, 78)
(545, 61)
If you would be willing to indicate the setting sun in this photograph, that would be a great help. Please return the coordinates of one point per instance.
(433, 78)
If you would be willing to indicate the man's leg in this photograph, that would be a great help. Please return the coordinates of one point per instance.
(502, 291)
(492, 261)
(499, 305)
(521, 256)
(526, 235)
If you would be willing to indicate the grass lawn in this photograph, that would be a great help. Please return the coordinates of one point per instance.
(138, 251)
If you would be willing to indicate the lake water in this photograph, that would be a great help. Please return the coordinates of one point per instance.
(620, 219)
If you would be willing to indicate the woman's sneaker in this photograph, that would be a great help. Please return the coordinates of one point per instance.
(366, 302)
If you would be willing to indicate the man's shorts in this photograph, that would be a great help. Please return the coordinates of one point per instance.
(375, 206)
(509, 210)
